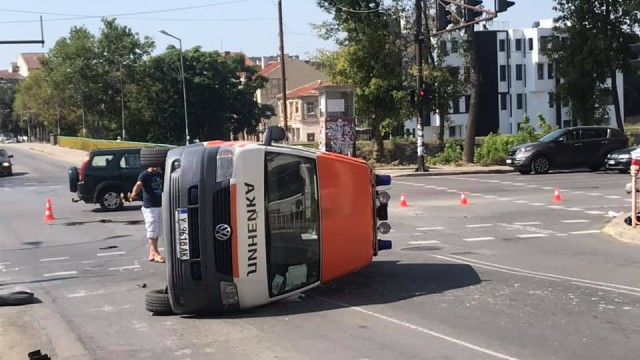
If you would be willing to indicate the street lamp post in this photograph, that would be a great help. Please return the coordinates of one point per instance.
(184, 88)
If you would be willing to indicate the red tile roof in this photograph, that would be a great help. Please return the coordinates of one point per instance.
(270, 68)
(310, 89)
(32, 59)
(5, 74)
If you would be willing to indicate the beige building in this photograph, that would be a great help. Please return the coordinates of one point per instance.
(309, 106)
(20, 69)
(298, 73)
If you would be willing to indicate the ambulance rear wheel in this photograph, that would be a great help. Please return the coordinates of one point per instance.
(157, 302)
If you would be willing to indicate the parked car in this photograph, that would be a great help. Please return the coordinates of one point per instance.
(104, 175)
(620, 160)
(581, 146)
(6, 166)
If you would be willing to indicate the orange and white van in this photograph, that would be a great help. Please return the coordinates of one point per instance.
(246, 224)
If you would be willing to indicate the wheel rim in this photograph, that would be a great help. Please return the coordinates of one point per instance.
(541, 165)
(111, 200)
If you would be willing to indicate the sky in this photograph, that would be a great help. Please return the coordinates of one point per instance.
(250, 26)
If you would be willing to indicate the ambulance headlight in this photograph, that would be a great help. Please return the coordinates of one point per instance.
(224, 167)
(383, 197)
(228, 293)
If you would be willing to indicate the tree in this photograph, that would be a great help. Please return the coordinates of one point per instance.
(591, 45)
(370, 57)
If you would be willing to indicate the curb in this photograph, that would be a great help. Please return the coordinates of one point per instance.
(617, 229)
(449, 173)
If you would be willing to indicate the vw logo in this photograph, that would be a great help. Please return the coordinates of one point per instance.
(223, 232)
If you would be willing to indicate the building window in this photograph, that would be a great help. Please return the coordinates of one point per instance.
(502, 45)
(311, 137)
(552, 99)
(311, 107)
(503, 101)
(503, 73)
(540, 71)
(443, 47)
(456, 106)
(550, 70)
(454, 47)
(518, 72)
(545, 42)
(518, 44)
(566, 123)
(530, 40)
(452, 131)
(519, 101)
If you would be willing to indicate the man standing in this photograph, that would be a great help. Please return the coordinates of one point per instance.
(150, 182)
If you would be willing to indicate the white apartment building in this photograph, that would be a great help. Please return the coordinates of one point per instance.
(517, 79)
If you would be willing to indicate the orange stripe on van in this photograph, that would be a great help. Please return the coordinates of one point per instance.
(234, 231)
(347, 227)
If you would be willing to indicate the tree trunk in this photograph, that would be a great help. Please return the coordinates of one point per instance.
(616, 98)
(442, 114)
(474, 110)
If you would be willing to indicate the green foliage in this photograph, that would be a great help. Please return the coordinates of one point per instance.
(495, 147)
(452, 154)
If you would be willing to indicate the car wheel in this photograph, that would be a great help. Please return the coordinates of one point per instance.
(157, 302)
(540, 165)
(110, 200)
(525, 171)
(623, 171)
(153, 157)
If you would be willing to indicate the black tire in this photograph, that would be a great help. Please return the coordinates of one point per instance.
(153, 157)
(157, 302)
(73, 179)
(540, 165)
(15, 298)
(623, 171)
(110, 200)
(525, 171)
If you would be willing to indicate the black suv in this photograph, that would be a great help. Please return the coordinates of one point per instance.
(104, 175)
(568, 148)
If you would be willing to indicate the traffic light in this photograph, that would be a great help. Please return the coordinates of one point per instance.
(442, 13)
(425, 94)
(470, 14)
(503, 5)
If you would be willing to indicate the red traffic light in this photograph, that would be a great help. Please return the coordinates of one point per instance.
(422, 93)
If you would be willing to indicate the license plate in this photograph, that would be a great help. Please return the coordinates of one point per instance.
(509, 161)
(611, 162)
(182, 234)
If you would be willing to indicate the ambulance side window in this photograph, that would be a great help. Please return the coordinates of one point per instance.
(293, 223)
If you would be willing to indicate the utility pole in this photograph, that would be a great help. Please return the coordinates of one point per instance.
(419, 41)
(284, 72)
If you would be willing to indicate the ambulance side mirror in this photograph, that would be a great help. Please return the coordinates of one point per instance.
(274, 133)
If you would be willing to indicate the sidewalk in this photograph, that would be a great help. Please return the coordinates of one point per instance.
(615, 228)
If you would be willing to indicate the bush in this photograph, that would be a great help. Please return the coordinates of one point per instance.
(452, 154)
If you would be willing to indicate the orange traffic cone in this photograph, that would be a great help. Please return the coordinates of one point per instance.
(557, 197)
(48, 211)
(463, 199)
(403, 200)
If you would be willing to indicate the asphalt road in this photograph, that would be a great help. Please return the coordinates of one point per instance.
(510, 276)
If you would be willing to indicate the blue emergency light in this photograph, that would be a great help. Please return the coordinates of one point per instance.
(383, 180)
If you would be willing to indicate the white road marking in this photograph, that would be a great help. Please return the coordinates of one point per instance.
(537, 204)
(585, 232)
(527, 236)
(562, 234)
(521, 201)
(476, 194)
(452, 191)
(578, 192)
(430, 228)
(556, 207)
(478, 225)
(113, 253)
(161, 249)
(55, 186)
(505, 199)
(490, 196)
(61, 273)
(421, 329)
(595, 212)
(546, 188)
(5, 263)
(594, 194)
(5, 279)
(479, 239)
(613, 197)
(528, 223)
(125, 267)
(519, 184)
(55, 259)
(430, 186)
(424, 242)
(575, 221)
(441, 188)
(575, 209)
(81, 293)
(532, 186)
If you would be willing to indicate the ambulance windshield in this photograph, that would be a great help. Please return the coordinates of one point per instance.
(293, 225)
